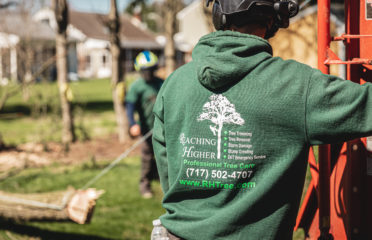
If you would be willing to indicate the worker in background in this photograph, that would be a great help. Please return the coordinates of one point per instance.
(141, 99)
(234, 126)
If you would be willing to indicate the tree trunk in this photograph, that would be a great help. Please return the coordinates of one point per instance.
(170, 30)
(219, 141)
(61, 13)
(117, 82)
(68, 134)
(70, 205)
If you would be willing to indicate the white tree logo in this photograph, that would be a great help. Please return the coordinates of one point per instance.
(220, 111)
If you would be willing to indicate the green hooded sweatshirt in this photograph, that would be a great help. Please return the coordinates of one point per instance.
(232, 134)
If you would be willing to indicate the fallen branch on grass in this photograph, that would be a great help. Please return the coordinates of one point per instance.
(70, 205)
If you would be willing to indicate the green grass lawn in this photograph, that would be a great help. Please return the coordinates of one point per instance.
(84, 91)
(120, 213)
(38, 118)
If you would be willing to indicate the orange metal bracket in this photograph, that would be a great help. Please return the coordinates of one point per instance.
(332, 58)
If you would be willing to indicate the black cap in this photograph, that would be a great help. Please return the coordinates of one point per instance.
(229, 7)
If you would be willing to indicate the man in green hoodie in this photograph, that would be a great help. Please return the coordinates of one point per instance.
(234, 126)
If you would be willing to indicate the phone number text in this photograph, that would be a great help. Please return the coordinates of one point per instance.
(217, 174)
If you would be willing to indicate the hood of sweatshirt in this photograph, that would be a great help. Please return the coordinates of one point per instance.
(225, 57)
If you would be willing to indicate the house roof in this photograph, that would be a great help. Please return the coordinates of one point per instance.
(92, 25)
(24, 27)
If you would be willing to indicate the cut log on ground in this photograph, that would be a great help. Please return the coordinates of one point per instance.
(70, 205)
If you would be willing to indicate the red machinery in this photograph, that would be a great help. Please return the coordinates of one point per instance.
(338, 203)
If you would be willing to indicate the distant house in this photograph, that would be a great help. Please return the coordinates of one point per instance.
(300, 40)
(93, 47)
(192, 26)
(25, 46)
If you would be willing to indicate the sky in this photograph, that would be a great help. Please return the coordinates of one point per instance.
(102, 6)
(99, 6)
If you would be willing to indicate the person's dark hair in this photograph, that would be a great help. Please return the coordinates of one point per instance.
(260, 15)
(264, 16)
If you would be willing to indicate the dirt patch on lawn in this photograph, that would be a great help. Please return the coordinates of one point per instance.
(39, 155)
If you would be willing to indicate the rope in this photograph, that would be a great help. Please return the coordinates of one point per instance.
(117, 160)
(66, 198)
(31, 203)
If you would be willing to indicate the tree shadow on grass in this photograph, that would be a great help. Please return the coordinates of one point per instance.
(44, 234)
(17, 110)
(97, 106)
(10, 112)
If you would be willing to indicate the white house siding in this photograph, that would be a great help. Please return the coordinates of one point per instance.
(8, 57)
(13, 64)
(190, 17)
(189, 35)
(94, 58)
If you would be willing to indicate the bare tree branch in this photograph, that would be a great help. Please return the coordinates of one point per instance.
(9, 93)
(7, 4)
